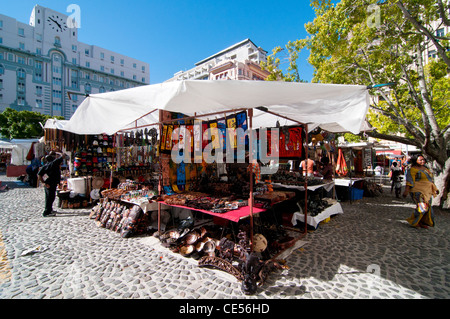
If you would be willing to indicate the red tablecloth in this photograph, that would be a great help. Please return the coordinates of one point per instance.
(233, 215)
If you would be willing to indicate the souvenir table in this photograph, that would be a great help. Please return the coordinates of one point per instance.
(327, 186)
(314, 221)
(348, 182)
(232, 215)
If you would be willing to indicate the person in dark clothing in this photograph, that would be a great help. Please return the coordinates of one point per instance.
(396, 179)
(326, 169)
(50, 176)
(32, 171)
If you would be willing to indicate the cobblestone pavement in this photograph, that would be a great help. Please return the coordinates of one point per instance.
(367, 252)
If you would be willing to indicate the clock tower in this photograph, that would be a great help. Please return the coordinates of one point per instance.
(57, 23)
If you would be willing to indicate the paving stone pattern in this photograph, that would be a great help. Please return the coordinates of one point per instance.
(368, 252)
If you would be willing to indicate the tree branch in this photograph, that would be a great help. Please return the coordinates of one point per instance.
(394, 138)
(442, 13)
(424, 31)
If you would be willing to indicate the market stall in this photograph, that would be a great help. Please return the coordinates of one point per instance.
(265, 105)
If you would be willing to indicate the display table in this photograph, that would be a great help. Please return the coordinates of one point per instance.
(315, 220)
(327, 186)
(145, 204)
(347, 181)
(233, 215)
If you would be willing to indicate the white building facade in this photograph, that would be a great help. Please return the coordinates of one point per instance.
(41, 62)
(240, 61)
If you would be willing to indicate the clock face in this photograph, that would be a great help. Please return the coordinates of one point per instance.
(56, 23)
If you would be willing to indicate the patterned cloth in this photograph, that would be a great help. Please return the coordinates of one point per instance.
(256, 169)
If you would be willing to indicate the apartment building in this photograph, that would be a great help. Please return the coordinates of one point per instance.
(40, 62)
(240, 61)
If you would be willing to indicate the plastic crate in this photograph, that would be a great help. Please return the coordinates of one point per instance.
(356, 193)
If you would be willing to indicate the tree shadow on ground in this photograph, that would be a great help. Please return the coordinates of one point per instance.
(371, 244)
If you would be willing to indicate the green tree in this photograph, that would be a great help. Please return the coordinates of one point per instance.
(22, 124)
(370, 42)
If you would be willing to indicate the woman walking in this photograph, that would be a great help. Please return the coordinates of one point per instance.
(420, 183)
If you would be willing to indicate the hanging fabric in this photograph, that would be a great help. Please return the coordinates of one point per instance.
(341, 165)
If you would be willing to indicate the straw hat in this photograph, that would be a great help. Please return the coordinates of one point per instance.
(97, 183)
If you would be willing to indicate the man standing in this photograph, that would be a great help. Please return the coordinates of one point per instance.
(50, 176)
(307, 167)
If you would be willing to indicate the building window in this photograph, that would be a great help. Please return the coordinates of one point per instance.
(74, 61)
(57, 94)
(57, 81)
(1, 97)
(38, 51)
(134, 65)
(74, 48)
(88, 64)
(74, 108)
(86, 52)
(21, 60)
(102, 56)
(39, 104)
(112, 59)
(112, 71)
(57, 107)
(22, 46)
(39, 37)
(1, 24)
(21, 100)
(122, 74)
(102, 90)
(1, 40)
(143, 80)
(21, 74)
(38, 65)
(143, 69)
(102, 68)
(39, 90)
(57, 69)
(21, 32)
(11, 57)
(2, 69)
(1, 84)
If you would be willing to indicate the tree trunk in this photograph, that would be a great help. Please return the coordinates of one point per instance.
(442, 182)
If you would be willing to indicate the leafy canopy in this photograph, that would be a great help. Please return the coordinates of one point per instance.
(22, 124)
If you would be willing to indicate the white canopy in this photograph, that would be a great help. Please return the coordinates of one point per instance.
(335, 108)
(55, 124)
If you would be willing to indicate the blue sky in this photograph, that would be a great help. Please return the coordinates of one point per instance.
(173, 35)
